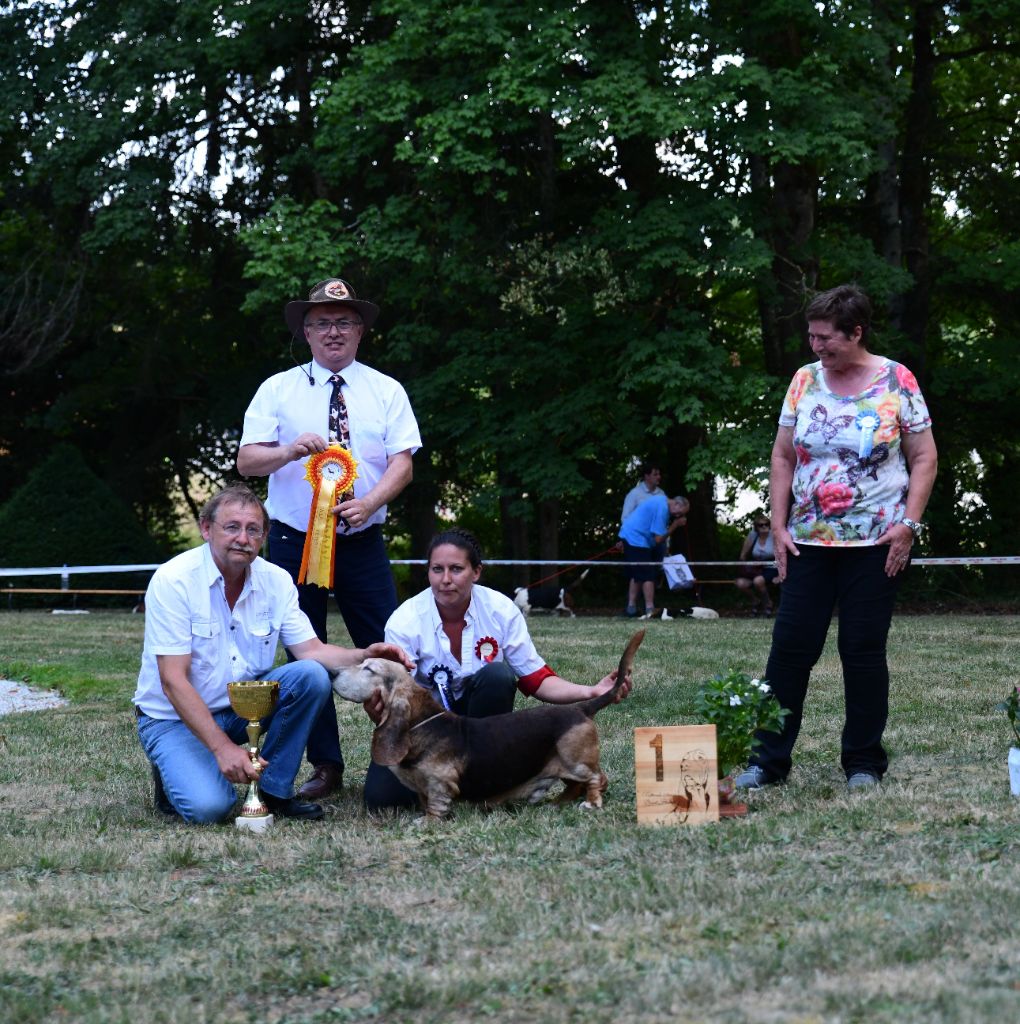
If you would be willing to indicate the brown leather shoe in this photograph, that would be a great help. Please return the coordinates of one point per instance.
(325, 780)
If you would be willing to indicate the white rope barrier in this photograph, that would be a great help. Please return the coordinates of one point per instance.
(975, 560)
(78, 570)
(75, 570)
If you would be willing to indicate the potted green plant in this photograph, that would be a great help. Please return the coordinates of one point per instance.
(1011, 705)
(738, 706)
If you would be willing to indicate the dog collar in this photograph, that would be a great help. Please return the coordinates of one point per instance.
(427, 720)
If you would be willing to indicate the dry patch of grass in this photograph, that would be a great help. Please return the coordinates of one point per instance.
(898, 905)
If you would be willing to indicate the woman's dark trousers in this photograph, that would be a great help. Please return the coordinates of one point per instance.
(817, 582)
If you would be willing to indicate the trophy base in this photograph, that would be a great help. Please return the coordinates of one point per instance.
(258, 824)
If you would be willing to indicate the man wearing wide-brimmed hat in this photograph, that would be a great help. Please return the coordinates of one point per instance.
(293, 415)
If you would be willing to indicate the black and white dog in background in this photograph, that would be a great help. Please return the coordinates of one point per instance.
(547, 598)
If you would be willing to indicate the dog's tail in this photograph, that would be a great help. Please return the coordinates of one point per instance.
(579, 580)
(590, 707)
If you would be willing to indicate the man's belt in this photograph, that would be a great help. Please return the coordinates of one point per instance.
(368, 531)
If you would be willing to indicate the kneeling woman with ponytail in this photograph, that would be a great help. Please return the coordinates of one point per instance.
(471, 648)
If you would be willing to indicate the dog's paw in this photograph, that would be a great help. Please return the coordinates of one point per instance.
(587, 805)
(426, 820)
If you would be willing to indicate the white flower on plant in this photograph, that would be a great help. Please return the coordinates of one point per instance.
(736, 730)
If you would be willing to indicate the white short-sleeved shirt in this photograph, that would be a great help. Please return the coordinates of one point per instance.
(186, 612)
(286, 405)
(491, 618)
(637, 496)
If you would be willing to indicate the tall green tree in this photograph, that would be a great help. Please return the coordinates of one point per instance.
(141, 136)
(592, 227)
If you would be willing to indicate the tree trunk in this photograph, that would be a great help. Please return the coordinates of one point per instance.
(700, 538)
(515, 541)
(790, 223)
(914, 307)
(785, 199)
(420, 501)
(549, 530)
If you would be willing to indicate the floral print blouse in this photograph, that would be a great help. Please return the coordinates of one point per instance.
(850, 480)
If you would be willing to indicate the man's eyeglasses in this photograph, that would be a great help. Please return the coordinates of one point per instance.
(343, 326)
(761, 526)
(235, 530)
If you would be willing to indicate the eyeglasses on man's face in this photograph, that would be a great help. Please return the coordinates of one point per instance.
(761, 526)
(325, 326)
(236, 529)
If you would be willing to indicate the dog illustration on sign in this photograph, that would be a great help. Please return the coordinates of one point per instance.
(693, 793)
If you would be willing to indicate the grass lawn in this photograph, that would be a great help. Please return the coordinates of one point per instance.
(897, 905)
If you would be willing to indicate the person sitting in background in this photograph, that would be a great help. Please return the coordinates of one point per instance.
(471, 650)
(754, 580)
(643, 534)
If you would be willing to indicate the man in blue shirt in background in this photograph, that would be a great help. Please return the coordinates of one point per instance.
(643, 533)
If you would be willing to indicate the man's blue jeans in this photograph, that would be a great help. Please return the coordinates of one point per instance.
(365, 594)
(193, 781)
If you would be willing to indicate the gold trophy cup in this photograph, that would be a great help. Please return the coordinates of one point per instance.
(253, 699)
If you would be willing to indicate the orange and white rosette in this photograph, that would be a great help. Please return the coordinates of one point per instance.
(331, 473)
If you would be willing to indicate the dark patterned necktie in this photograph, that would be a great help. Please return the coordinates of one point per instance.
(340, 431)
(339, 426)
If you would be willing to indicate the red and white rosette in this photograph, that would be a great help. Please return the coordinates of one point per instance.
(486, 649)
(331, 473)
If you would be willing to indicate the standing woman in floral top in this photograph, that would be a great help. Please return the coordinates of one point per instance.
(852, 470)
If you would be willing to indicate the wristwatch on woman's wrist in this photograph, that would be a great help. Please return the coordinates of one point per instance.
(915, 527)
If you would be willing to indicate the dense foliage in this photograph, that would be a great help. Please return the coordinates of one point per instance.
(63, 514)
(592, 228)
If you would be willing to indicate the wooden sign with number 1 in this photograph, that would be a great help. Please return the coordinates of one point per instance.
(675, 769)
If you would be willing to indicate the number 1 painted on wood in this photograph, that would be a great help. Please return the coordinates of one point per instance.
(656, 745)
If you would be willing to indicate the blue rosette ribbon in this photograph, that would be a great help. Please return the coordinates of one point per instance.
(442, 678)
(867, 422)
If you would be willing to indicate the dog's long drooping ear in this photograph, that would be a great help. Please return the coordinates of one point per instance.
(391, 740)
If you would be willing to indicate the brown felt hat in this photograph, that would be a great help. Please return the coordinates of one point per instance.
(334, 291)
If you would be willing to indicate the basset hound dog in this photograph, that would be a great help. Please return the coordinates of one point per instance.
(516, 756)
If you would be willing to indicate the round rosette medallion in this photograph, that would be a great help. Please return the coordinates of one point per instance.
(868, 421)
(331, 473)
(442, 678)
(335, 465)
(486, 649)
